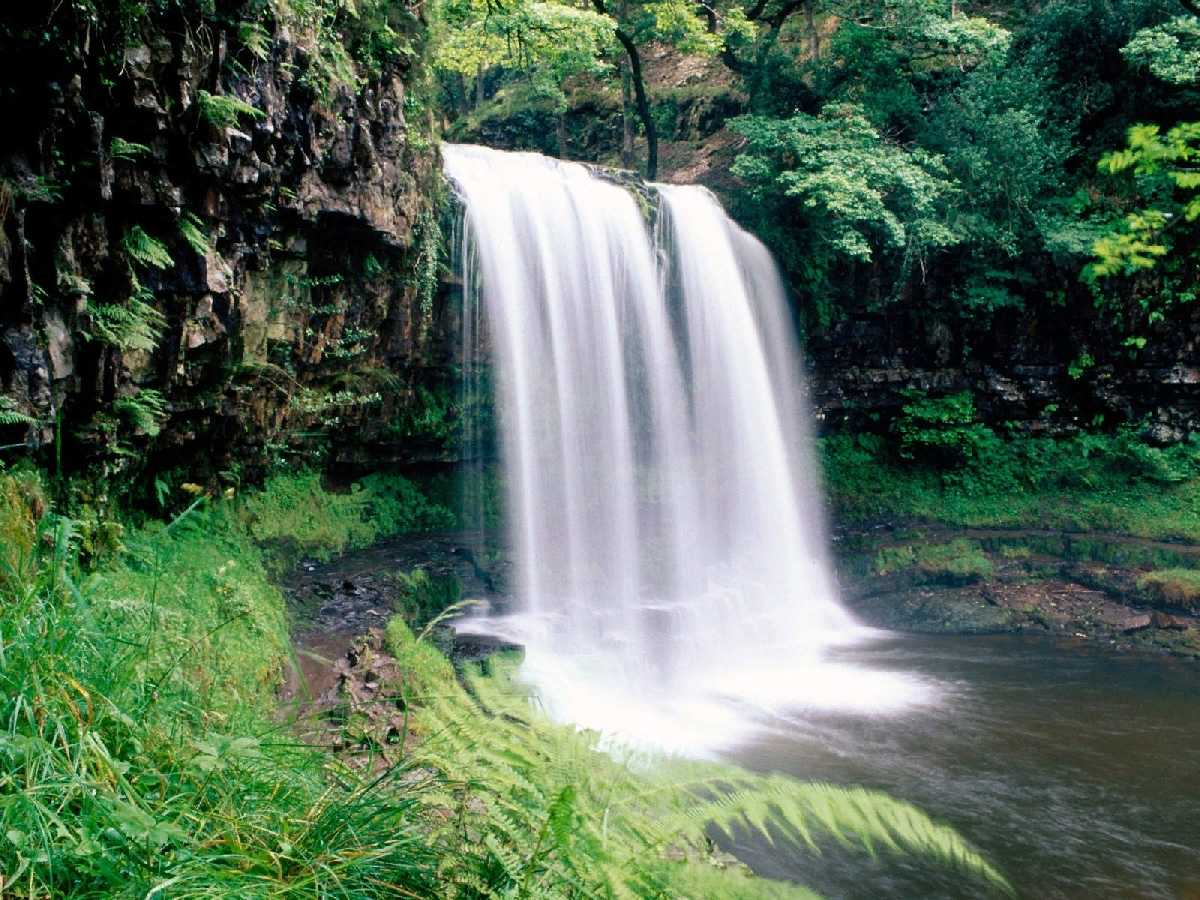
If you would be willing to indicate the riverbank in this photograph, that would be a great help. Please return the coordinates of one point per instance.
(146, 751)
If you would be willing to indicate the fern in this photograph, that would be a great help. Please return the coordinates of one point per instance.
(224, 111)
(540, 811)
(119, 148)
(255, 39)
(145, 411)
(194, 232)
(10, 416)
(140, 248)
(135, 326)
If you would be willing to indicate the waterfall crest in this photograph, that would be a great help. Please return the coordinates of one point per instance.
(667, 529)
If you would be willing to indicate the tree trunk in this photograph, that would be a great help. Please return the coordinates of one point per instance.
(639, 92)
(814, 37)
(462, 103)
(643, 104)
(627, 114)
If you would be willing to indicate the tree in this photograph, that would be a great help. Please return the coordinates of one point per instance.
(703, 30)
(830, 190)
(546, 41)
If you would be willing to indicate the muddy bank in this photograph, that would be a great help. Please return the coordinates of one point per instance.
(340, 609)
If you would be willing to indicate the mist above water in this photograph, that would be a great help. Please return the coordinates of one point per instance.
(672, 578)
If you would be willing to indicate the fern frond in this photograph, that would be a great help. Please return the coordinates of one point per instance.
(145, 411)
(255, 39)
(224, 111)
(139, 247)
(557, 817)
(119, 148)
(194, 232)
(9, 414)
(135, 326)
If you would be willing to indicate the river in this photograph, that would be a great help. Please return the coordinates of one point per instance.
(1076, 770)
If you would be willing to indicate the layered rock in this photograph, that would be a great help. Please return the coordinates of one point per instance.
(298, 299)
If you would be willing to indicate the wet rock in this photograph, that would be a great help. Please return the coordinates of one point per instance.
(1163, 620)
(1136, 623)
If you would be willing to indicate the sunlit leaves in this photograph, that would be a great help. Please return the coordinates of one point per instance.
(1164, 161)
(1171, 51)
(860, 192)
(476, 34)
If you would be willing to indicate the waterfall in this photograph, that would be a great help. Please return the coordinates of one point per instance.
(667, 529)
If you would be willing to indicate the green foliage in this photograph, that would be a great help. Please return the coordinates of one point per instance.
(539, 811)
(1089, 482)
(941, 429)
(432, 414)
(1171, 51)
(145, 411)
(256, 39)
(119, 148)
(134, 325)
(1175, 587)
(297, 517)
(138, 754)
(836, 191)
(421, 596)
(9, 414)
(960, 561)
(1139, 241)
(225, 110)
(400, 507)
(195, 234)
(144, 250)
(551, 37)
(429, 676)
(427, 269)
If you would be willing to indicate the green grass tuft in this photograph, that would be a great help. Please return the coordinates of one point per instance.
(1175, 587)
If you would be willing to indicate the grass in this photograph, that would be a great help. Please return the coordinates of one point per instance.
(138, 753)
(141, 755)
(1174, 587)
(957, 562)
(1088, 483)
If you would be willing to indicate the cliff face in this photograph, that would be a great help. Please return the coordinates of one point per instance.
(1046, 368)
(207, 258)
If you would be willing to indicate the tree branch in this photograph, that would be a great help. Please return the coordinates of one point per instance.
(639, 93)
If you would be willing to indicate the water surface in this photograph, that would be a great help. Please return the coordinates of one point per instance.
(1077, 771)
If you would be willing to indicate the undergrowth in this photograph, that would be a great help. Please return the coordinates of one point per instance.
(529, 808)
(1174, 587)
(1089, 482)
(293, 516)
(141, 756)
(137, 753)
(959, 561)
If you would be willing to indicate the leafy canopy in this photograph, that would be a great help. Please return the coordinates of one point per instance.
(841, 192)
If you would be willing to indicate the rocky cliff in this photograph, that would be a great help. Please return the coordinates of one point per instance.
(212, 253)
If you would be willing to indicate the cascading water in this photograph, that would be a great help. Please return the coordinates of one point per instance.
(669, 541)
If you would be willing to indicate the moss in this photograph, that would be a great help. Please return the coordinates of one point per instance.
(960, 561)
(294, 516)
(1175, 587)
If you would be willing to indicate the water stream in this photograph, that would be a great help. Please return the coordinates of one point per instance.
(672, 584)
(667, 531)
